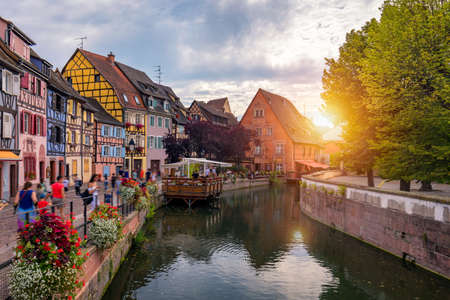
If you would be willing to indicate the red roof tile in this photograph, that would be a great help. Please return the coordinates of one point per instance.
(116, 78)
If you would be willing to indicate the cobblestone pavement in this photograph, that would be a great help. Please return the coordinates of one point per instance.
(8, 220)
(441, 190)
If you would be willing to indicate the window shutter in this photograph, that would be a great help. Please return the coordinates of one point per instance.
(16, 85)
(69, 137)
(123, 133)
(21, 122)
(24, 81)
(113, 151)
(123, 152)
(103, 130)
(103, 150)
(3, 78)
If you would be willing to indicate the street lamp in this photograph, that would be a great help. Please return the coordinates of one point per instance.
(131, 146)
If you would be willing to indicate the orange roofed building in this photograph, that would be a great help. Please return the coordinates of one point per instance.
(285, 141)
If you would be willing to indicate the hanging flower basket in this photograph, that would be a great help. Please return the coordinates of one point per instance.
(139, 126)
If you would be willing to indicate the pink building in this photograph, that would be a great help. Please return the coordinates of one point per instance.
(31, 103)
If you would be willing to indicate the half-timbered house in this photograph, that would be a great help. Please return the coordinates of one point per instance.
(58, 92)
(9, 151)
(31, 103)
(216, 111)
(98, 76)
(87, 139)
(109, 137)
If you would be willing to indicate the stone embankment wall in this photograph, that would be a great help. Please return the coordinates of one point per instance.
(412, 227)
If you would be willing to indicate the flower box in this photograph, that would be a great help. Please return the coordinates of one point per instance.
(128, 124)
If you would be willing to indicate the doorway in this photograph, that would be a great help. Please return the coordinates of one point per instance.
(41, 170)
(154, 165)
(52, 171)
(12, 180)
(61, 168)
(137, 164)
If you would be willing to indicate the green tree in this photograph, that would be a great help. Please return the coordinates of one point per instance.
(346, 99)
(406, 74)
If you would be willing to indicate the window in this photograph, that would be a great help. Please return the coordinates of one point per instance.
(279, 149)
(86, 166)
(137, 100)
(26, 123)
(29, 164)
(257, 150)
(259, 113)
(269, 131)
(38, 125)
(10, 83)
(279, 167)
(125, 98)
(152, 121)
(148, 142)
(7, 125)
(196, 117)
(74, 108)
(118, 132)
(166, 123)
(87, 140)
(160, 144)
(119, 151)
(38, 87)
(138, 119)
(180, 129)
(166, 105)
(159, 122)
(259, 131)
(69, 79)
(59, 136)
(74, 137)
(97, 77)
(106, 150)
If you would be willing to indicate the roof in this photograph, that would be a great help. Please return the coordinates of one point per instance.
(88, 105)
(57, 81)
(8, 61)
(218, 104)
(111, 72)
(214, 109)
(19, 32)
(101, 115)
(299, 128)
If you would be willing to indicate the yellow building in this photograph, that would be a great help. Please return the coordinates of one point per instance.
(96, 76)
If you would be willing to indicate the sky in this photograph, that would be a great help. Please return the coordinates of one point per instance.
(207, 49)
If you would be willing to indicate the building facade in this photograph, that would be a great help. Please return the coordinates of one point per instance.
(99, 77)
(87, 140)
(31, 103)
(285, 140)
(158, 118)
(73, 138)
(9, 151)
(56, 125)
(216, 111)
(109, 137)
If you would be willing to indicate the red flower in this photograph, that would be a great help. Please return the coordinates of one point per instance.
(20, 247)
(84, 283)
(60, 250)
(85, 236)
(87, 254)
(38, 241)
(47, 248)
(27, 225)
(74, 266)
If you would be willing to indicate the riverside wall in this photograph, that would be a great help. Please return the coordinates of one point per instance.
(413, 227)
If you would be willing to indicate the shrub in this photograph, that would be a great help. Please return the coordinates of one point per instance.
(342, 190)
(304, 185)
(48, 260)
(103, 232)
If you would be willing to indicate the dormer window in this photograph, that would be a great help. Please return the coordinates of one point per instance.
(97, 77)
(125, 98)
(137, 100)
(166, 105)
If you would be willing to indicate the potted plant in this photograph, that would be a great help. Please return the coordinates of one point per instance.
(106, 226)
(128, 124)
(139, 126)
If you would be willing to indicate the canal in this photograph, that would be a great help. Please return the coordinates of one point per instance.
(258, 245)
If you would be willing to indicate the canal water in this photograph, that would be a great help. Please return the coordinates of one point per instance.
(256, 244)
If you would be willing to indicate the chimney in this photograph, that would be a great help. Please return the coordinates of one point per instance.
(111, 57)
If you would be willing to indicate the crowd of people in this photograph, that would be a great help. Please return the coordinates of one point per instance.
(30, 202)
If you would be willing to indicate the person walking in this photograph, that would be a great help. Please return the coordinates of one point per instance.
(119, 182)
(113, 181)
(78, 184)
(58, 194)
(66, 184)
(41, 190)
(105, 182)
(93, 190)
(25, 202)
(134, 175)
(148, 175)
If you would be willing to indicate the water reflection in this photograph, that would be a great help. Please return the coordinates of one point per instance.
(258, 245)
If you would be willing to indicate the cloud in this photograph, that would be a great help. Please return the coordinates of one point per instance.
(207, 49)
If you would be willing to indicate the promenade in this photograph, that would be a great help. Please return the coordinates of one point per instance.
(8, 220)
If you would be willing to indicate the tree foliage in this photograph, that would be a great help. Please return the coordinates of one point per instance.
(390, 90)
(211, 141)
(346, 99)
